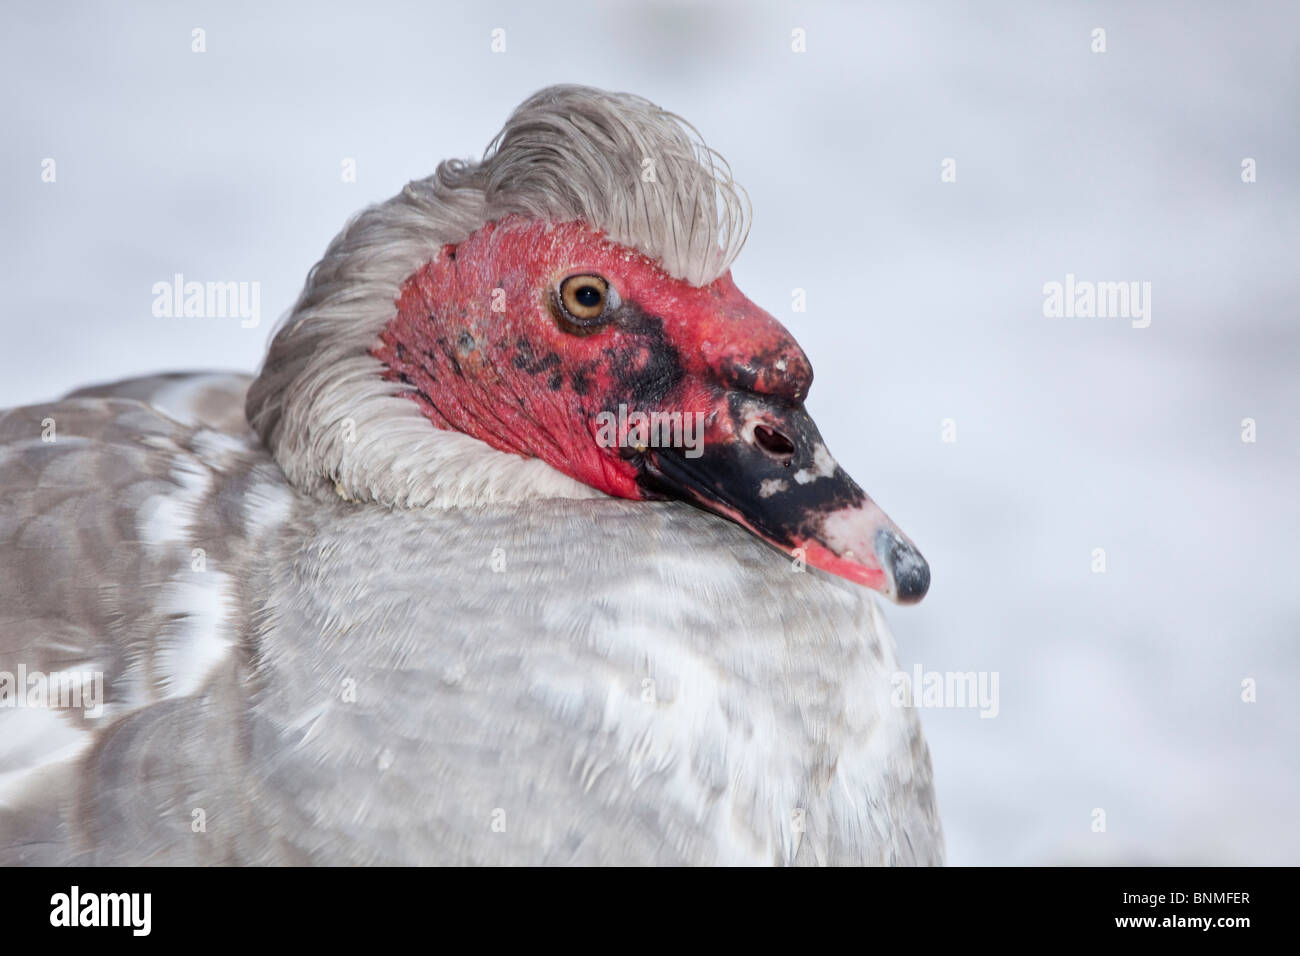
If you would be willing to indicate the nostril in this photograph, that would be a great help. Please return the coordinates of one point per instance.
(774, 443)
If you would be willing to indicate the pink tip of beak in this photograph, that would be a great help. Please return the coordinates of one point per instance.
(863, 545)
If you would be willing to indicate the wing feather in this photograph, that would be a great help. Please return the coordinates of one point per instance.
(123, 537)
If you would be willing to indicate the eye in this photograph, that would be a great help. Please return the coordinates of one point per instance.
(585, 300)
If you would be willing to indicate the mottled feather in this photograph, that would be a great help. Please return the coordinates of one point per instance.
(635, 683)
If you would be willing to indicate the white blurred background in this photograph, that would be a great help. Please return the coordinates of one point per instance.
(1120, 691)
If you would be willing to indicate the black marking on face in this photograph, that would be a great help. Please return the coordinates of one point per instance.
(404, 357)
(783, 382)
(744, 376)
(528, 363)
(649, 368)
(448, 351)
(428, 399)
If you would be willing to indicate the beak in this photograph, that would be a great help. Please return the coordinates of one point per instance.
(764, 466)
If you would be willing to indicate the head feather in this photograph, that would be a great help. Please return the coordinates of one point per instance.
(615, 161)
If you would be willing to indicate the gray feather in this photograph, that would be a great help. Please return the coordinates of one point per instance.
(639, 683)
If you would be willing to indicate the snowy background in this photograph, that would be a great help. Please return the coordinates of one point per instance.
(1119, 691)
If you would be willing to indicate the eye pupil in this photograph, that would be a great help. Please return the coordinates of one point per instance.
(583, 303)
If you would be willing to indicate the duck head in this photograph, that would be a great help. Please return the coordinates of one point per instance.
(551, 341)
(559, 320)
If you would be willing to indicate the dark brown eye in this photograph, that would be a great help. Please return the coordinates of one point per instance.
(584, 297)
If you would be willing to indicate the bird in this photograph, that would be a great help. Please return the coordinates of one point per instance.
(520, 548)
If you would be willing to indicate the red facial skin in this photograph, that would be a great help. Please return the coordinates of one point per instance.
(480, 335)
(526, 385)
